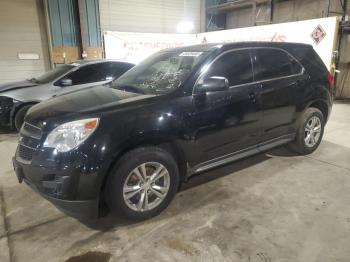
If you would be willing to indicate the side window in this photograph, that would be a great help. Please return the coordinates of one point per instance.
(236, 66)
(90, 73)
(273, 63)
(118, 69)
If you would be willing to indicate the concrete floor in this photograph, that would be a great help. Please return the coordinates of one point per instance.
(271, 207)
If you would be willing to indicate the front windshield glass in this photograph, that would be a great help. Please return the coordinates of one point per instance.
(53, 74)
(161, 73)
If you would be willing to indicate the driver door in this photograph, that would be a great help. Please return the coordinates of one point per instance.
(226, 122)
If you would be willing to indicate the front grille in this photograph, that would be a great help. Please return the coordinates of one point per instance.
(29, 142)
(25, 153)
(31, 131)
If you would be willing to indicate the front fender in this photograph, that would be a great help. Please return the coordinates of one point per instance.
(16, 106)
(30, 94)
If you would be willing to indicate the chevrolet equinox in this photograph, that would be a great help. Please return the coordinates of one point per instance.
(178, 113)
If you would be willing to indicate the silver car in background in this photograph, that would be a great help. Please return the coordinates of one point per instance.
(17, 97)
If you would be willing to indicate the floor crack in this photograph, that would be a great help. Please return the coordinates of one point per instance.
(325, 162)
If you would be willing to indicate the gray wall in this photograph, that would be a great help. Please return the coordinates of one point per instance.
(152, 16)
(22, 30)
(284, 11)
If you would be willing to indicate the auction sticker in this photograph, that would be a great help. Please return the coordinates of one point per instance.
(190, 53)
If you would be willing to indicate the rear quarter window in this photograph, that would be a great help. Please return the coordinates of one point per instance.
(311, 61)
(274, 63)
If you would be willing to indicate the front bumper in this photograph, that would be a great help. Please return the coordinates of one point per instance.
(78, 209)
(61, 189)
(72, 181)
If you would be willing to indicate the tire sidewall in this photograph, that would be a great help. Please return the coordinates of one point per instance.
(118, 175)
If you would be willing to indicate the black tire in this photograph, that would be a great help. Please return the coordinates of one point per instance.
(124, 167)
(299, 145)
(19, 117)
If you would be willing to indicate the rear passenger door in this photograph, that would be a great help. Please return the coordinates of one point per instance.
(280, 78)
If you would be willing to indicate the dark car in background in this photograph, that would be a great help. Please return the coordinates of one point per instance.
(17, 97)
(178, 113)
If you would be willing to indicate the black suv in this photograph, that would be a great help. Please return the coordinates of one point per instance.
(178, 113)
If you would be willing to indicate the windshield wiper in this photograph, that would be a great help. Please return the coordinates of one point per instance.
(33, 80)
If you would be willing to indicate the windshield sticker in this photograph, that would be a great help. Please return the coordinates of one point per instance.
(190, 53)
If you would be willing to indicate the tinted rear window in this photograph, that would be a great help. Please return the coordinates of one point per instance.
(311, 61)
(274, 63)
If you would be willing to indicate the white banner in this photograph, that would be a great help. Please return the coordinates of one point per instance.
(320, 33)
(134, 47)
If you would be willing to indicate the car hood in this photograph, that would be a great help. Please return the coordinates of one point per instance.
(92, 101)
(16, 85)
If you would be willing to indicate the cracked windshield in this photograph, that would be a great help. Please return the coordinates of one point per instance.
(161, 73)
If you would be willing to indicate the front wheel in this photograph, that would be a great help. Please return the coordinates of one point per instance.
(310, 132)
(142, 183)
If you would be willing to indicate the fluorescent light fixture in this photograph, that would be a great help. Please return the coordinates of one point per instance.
(185, 27)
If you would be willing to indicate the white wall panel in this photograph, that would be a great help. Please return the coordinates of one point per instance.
(22, 30)
(153, 16)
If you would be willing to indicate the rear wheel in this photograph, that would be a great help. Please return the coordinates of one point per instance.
(143, 183)
(310, 132)
(19, 117)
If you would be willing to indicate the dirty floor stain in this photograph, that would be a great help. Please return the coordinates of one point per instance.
(92, 256)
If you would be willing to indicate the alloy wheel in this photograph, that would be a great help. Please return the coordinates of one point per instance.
(313, 130)
(146, 186)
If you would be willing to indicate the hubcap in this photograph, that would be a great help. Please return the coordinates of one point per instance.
(146, 186)
(312, 131)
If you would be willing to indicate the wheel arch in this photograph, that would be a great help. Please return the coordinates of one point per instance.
(16, 108)
(322, 106)
(158, 140)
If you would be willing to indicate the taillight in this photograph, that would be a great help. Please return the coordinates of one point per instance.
(331, 80)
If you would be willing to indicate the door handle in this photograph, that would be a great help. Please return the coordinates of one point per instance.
(299, 82)
(252, 97)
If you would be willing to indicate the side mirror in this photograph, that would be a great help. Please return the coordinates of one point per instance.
(213, 84)
(66, 82)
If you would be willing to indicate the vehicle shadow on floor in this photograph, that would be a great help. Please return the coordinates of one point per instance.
(7, 130)
(110, 221)
(7, 133)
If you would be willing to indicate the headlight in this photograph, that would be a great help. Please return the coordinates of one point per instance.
(69, 135)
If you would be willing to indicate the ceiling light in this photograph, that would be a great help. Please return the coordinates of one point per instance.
(184, 27)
